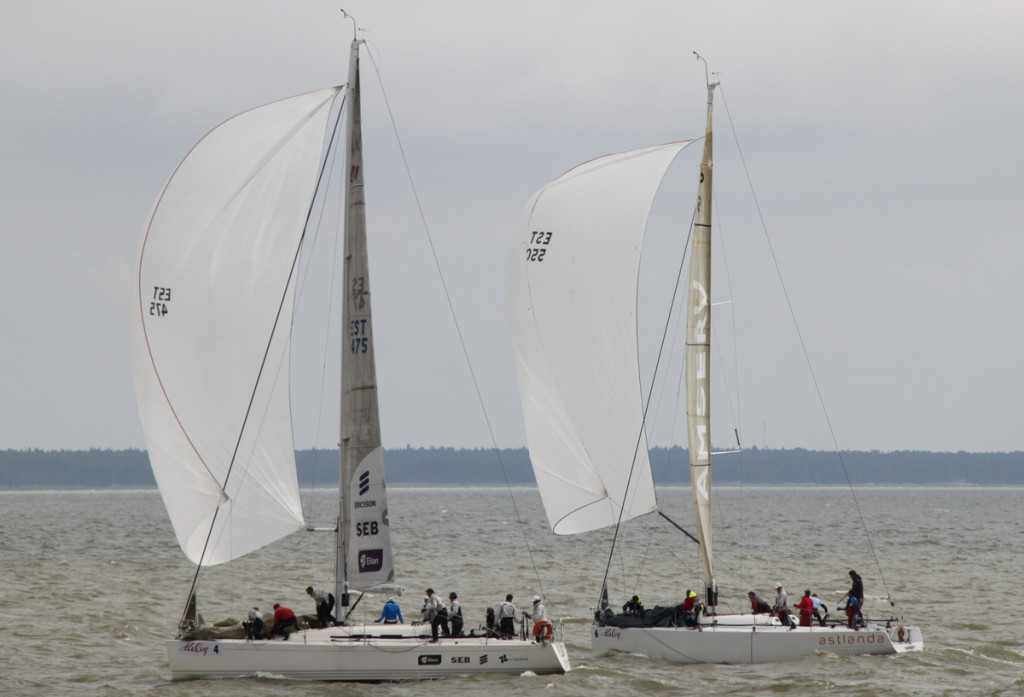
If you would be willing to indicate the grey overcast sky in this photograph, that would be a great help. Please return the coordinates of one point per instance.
(883, 141)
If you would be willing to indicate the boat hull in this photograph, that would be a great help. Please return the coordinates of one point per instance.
(325, 654)
(737, 644)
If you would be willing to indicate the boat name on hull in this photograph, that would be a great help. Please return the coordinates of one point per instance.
(837, 640)
(202, 648)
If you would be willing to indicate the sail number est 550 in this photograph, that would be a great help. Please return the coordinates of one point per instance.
(538, 245)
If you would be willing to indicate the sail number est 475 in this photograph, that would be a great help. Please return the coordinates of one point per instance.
(538, 245)
(161, 298)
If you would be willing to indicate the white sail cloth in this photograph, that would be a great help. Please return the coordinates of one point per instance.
(211, 330)
(572, 315)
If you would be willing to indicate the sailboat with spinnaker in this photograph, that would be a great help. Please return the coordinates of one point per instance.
(572, 305)
(215, 288)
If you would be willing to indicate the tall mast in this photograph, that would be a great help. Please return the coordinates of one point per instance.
(698, 363)
(360, 421)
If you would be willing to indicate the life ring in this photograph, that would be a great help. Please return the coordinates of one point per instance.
(543, 630)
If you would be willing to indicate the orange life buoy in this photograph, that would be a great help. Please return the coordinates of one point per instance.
(543, 630)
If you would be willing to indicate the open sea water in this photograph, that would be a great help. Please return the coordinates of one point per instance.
(93, 582)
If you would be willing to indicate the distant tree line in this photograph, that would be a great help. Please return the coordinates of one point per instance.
(97, 468)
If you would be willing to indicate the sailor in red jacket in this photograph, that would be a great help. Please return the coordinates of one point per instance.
(806, 607)
(283, 619)
(689, 609)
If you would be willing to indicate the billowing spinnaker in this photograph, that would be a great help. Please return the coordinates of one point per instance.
(572, 315)
(210, 337)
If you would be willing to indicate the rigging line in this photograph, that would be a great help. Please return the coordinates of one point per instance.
(455, 321)
(650, 393)
(329, 157)
(259, 375)
(675, 410)
(679, 324)
(803, 347)
(316, 453)
(737, 415)
(734, 411)
(722, 564)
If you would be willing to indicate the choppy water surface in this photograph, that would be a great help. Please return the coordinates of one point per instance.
(93, 582)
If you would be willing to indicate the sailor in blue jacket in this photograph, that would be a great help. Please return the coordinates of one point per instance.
(392, 614)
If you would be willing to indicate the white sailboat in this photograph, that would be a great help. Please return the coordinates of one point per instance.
(573, 292)
(216, 283)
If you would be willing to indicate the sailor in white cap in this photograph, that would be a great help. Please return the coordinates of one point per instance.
(542, 629)
(781, 608)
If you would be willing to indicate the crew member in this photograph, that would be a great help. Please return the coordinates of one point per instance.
(324, 605)
(806, 607)
(391, 614)
(781, 608)
(541, 627)
(758, 604)
(284, 619)
(634, 607)
(507, 618)
(455, 613)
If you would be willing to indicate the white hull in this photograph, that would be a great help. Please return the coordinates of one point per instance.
(738, 644)
(335, 654)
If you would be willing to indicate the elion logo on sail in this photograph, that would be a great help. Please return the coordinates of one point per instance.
(371, 560)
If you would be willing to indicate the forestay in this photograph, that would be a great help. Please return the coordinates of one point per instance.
(572, 309)
(210, 344)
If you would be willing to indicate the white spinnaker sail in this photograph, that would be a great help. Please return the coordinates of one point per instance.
(210, 337)
(572, 315)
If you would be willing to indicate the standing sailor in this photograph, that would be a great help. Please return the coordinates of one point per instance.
(434, 612)
(507, 618)
(781, 608)
(542, 629)
(455, 613)
(324, 605)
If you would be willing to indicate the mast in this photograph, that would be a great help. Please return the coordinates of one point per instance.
(698, 355)
(364, 557)
(360, 421)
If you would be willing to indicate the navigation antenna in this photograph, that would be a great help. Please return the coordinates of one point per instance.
(355, 24)
(707, 75)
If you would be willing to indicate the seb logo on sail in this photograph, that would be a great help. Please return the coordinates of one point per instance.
(370, 560)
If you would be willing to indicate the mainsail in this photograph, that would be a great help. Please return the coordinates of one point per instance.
(698, 362)
(572, 314)
(364, 533)
(211, 330)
